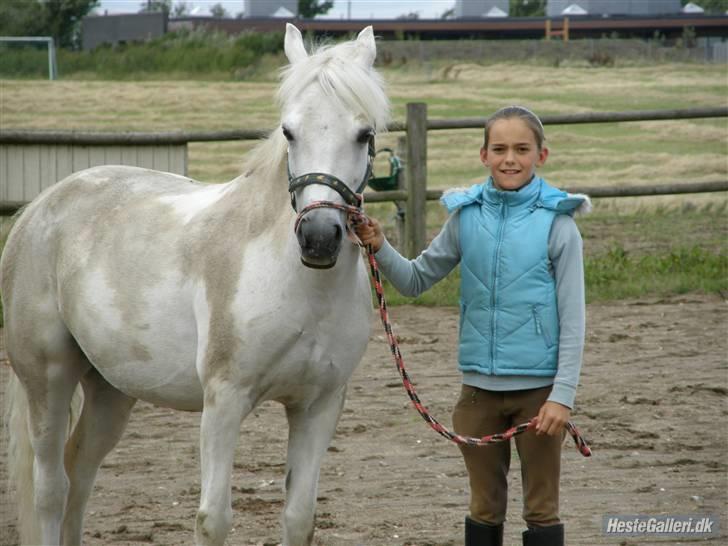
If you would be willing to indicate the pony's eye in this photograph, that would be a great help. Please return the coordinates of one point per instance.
(364, 135)
(287, 133)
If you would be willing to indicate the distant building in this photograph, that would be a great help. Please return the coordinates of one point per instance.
(556, 8)
(115, 29)
(482, 8)
(269, 8)
(693, 8)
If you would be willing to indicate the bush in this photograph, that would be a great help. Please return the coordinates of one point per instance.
(188, 53)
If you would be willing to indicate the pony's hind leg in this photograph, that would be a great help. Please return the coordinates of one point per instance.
(103, 419)
(311, 428)
(49, 376)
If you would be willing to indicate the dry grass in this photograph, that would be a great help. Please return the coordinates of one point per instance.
(589, 155)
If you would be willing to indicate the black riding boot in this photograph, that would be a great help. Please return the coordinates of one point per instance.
(553, 535)
(480, 534)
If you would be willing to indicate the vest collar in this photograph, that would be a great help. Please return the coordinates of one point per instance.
(523, 197)
(537, 193)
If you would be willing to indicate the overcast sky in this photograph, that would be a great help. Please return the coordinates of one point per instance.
(360, 9)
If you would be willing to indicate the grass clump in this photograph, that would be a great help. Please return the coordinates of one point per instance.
(619, 274)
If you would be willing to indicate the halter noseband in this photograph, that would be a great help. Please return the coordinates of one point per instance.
(351, 198)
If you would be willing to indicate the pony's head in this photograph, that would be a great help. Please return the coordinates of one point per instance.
(332, 104)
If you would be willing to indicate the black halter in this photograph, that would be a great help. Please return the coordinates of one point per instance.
(352, 198)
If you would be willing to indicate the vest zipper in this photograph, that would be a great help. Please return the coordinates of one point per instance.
(493, 293)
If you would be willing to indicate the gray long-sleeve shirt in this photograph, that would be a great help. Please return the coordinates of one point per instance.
(412, 277)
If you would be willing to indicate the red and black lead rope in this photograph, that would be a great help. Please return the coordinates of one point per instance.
(356, 215)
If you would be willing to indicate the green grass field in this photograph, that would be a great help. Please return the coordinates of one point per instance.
(633, 246)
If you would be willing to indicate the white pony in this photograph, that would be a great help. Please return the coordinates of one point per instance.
(145, 285)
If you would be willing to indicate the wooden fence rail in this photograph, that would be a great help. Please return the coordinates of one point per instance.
(416, 127)
(596, 192)
(88, 138)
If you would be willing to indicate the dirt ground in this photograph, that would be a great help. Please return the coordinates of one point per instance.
(652, 401)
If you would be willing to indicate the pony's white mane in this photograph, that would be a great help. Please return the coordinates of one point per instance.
(267, 160)
(340, 76)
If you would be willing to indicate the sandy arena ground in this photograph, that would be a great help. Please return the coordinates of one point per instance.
(652, 401)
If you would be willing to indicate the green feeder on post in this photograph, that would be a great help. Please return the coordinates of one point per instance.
(387, 183)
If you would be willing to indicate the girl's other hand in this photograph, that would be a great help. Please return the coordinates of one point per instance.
(551, 418)
(370, 233)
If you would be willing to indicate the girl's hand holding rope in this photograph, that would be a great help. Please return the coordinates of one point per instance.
(370, 233)
(552, 418)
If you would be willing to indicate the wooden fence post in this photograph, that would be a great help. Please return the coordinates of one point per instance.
(400, 218)
(415, 226)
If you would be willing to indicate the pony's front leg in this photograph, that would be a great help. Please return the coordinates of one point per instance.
(224, 408)
(311, 427)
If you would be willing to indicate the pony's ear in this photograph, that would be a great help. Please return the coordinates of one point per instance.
(293, 44)
(366, 50)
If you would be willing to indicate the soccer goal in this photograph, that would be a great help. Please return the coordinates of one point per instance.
(52, 65)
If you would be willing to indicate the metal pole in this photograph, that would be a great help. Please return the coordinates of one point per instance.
(52, 63)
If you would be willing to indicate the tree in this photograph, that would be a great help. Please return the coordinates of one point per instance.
(21, 19)
(180, 9)
(60, 19)
(308, 9)
(155, 6)
(527, 8)
(448, 14)
(717, 7)
(218, 11)
(409, 16)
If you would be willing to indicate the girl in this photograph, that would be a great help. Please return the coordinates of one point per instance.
(521, 321)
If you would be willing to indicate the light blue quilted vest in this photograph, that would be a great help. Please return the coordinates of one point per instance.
(509, 323)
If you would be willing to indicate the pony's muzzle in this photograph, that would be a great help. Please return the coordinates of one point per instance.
(319, 235)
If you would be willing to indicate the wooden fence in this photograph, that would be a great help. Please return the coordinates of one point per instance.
(32, 160)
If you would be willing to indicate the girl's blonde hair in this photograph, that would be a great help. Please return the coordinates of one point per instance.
(528, 117)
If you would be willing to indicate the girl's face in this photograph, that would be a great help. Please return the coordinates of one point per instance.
(512, 154)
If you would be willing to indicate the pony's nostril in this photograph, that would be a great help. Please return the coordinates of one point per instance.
(338, 233)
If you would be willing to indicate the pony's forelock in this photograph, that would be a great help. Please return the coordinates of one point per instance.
(340, 75)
